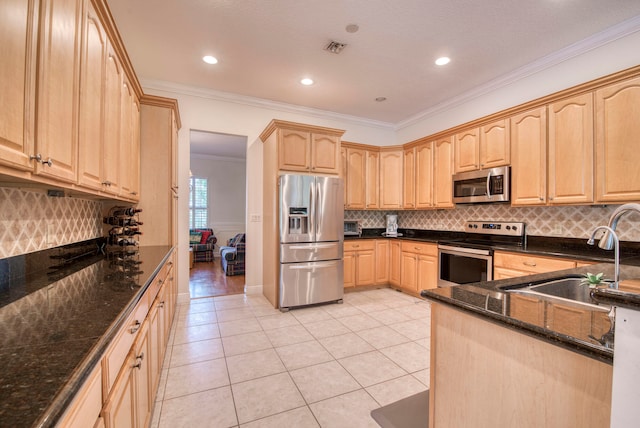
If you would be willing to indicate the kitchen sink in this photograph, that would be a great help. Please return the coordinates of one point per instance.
(568, 289)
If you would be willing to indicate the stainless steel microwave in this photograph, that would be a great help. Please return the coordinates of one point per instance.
(487, 185)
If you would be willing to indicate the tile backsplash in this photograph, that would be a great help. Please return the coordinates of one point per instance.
(32, 221)
(567, 221)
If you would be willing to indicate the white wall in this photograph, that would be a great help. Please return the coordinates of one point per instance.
(227, 194)
(209, 112)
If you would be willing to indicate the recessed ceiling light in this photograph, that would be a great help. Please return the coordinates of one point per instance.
(352, 28)
(210, 59)
(381, 99)
(306, 81)
(443, 60)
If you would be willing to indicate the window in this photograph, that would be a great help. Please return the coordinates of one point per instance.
(198, 201)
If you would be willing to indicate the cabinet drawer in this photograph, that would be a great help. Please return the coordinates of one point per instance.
(85, 408)
(423, 248)
(121, 344)
(533, 264)
(359, 245)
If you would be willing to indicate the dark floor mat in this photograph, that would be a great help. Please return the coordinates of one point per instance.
(410, 412)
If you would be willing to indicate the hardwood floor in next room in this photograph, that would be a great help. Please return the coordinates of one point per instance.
(207, 279)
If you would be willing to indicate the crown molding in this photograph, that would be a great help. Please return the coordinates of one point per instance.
(595, 41)
(194, 91)
(217, 158)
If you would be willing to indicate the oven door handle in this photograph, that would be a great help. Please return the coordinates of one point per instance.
(463, 250)
(489, 185)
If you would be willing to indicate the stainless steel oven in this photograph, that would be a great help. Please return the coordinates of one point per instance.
(461, 265)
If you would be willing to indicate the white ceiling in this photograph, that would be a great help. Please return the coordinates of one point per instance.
(223, 146)
(265, 47)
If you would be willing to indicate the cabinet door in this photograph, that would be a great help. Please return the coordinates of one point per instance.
(382, 261)
(571, 150)
(58, 88)
(325, 154)
(617, 136)
(134, 160)
(349, 266)
(18, 32)
(391, 179)
(529, 157)
(495, 148)
(128, 147)
(424, 176)
(365, 267)
(119, 410)
(504, 273)
(356, 161)
(566, 319)
(294, 150)
(345, 171)
(91, 142)
(409, 271)
(443, 173)
(112, 122)
(427, 272)
(142, 378)
(409, 179)
(467, 151)
(372, 179)
(395, 257)
(527, 309)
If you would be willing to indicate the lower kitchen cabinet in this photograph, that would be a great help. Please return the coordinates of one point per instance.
(395, 260)
(382, 261)
(359, 262)
(419, 266)
(511, 265)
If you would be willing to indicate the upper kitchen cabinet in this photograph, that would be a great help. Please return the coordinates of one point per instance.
(484, 147)
(391, 177)
(355, 183)
(495, 147)
(424, 175)
(114, 81)
(409, 178)
(18, 32)
(129, 144)
(443, 173)
(58, 81)
(308, 148)
(617, 136)
(372, 180)
(159, 122)
(529, 157)
(467, 151)
(571, 150)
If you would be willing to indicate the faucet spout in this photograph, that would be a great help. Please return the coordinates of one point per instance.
(606, 242)
(616, 260)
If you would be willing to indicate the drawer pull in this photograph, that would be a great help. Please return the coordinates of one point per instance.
(135, 327)
(356, 246)
(161, 304)
(138, 364)
(532, 264)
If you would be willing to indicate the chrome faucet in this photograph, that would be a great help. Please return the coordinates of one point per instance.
(610, 239)
(614, 238)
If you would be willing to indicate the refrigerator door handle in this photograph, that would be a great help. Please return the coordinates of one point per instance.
(309, 247)
(314, 265)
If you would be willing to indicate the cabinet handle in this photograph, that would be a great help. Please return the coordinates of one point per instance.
(532, 264)
(37, 157)
(356, 246)
(161, 304)
(138, 364)
(133, 193)
(160, 281)
(551, 198)
(49, 162)
(135, 327)
(541, 198)
(106, 183)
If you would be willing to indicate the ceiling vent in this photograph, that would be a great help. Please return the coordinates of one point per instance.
(335, 47)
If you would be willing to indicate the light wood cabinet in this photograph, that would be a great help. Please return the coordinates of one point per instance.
(360, 262)
(568, 319)
(510, 265)
(86, 405)
(529, 157)
(18, 32)
(424, 175)
(418, 266)
(112, 122)
(409, 178)
(129, 144)
(58, 89)
(159, 121)
(372, 180)
(356, 178)
(495, 147)
(344, 170)
(395, 262)
(528, 309)
(119, 410)
(467, 151)
(443, 173)
(617, 136)
(571, 150)
(382, 261)
(303, 150)
(391, 178)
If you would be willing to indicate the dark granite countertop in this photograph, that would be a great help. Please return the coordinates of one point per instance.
(56, 320)
(491, 301)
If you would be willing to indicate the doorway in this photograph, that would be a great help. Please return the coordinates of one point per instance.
(217, 201)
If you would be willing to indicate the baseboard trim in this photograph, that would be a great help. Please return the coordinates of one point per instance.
(183, 298)
(253, 289)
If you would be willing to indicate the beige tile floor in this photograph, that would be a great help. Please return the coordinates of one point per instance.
(234, 361)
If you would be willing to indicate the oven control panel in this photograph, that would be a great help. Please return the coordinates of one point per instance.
(505, 228)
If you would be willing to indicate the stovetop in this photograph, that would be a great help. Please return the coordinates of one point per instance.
(487, 234)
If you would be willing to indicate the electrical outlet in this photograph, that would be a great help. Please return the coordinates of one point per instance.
(50, 233)
(558, 229)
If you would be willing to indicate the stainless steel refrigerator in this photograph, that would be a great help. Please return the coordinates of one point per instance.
(311, 237)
